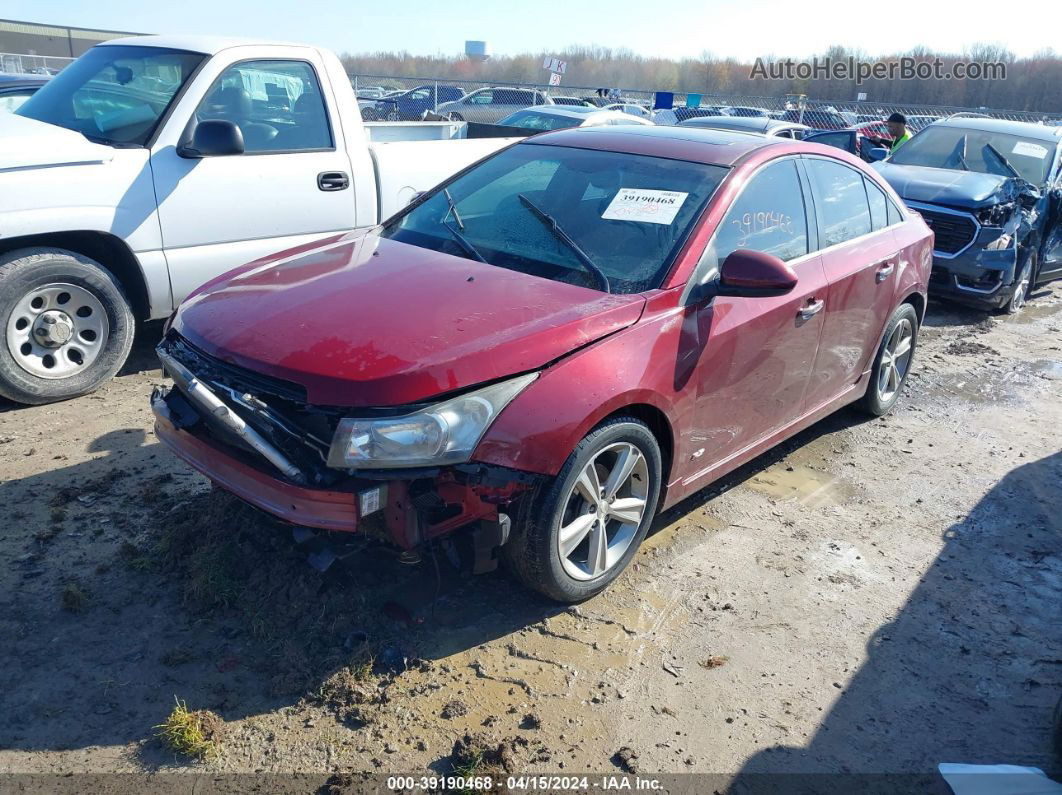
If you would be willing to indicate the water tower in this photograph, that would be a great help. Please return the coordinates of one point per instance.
(477, 50)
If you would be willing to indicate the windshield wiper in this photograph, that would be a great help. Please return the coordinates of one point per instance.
(551, 223)
(453, 209)
(471, 250)
(1006, 163)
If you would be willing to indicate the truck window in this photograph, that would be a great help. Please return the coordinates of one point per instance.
(113, 94)
(276, 104)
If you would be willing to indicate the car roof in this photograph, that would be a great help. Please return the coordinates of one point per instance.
(11, 81)
(1007, 126)
(714, 147)
(206, 45)
(569, 111)
(749, 123)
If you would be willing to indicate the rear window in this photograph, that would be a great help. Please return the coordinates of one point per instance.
(629, 214)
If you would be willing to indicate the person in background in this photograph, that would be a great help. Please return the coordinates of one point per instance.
(897, 124)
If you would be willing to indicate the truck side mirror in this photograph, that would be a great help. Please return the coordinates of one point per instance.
(214, 138)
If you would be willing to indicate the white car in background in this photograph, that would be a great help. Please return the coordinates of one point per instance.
(560, 117)
(488, 105)
(633, 110)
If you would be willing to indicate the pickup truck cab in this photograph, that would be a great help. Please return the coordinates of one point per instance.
(151, 165)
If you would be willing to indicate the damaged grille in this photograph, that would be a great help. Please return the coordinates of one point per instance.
(953, 232)
(205, 365)
(275, 408)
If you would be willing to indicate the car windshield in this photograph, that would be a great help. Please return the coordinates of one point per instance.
(537, 120)
(627, 214)
(113, 94)
(972, 150)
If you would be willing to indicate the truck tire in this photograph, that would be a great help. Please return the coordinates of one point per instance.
(66, 323)
(552, 549)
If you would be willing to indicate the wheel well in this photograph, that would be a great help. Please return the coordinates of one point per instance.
(660, 426)
(919, 303)
(109, 251)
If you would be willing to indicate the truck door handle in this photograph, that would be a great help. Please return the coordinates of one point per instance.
(333, 180)
(814, 306)
(885, 271)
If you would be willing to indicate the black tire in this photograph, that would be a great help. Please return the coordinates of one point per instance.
(532, 552)
(1023, 284)
(875, 401)
(25, 270)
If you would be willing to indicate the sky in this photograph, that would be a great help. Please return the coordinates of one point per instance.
(743, 29)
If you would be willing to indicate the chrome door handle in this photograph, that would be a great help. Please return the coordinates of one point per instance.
(885, 271)
(812, 309)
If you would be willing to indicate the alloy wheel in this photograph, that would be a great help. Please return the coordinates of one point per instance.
(57, 330)
(603, 510)
(895, 359)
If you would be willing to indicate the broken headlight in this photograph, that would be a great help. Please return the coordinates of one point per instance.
(996, 215)
(1000, 243)
(445, 433)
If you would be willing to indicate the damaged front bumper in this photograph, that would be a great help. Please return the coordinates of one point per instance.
(408, 507)
(970, 264)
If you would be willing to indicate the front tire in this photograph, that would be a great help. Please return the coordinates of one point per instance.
(1022, 285)
(66, 323)
(892, 364)
(576, 534)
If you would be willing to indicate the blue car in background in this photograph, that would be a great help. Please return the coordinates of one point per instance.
(411, 105)
(991, 191)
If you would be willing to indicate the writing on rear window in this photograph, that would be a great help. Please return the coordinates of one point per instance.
(645, 206)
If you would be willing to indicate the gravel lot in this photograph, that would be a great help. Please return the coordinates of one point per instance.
(871, 597)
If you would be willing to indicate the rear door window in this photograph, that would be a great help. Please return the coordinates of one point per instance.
(840, 201)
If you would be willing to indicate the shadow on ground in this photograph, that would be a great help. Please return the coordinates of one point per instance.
(987, 611)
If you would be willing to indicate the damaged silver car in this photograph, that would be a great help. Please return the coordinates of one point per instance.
(991, 191)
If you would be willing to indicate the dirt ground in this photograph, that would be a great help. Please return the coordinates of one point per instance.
(871, 597)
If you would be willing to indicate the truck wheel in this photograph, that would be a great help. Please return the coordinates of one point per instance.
(1022, 285)
(66, 323)
(893, 362)
(574, 535)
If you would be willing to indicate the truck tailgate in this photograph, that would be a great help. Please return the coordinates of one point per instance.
(405, 168)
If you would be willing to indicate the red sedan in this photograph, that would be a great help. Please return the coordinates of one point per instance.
(534, 358)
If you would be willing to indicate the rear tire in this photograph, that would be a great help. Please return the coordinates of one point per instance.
(66, 324)
(570, 548)
(892, 364)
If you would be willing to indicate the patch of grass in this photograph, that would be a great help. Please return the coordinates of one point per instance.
(193, 734)
(74, 599)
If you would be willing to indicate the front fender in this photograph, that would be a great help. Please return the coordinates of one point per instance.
(637, 366)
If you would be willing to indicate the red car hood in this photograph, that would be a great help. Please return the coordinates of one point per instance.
(373, 322)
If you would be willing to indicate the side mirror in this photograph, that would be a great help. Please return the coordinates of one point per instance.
(876, 154)
(214, 138)
(748, 274)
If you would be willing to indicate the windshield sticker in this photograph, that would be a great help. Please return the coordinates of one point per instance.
(1030, 149)
(645, 206)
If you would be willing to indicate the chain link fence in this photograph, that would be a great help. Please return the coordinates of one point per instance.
(385, 98)
(20, 64)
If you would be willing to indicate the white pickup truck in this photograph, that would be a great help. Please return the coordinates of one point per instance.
(152, 164)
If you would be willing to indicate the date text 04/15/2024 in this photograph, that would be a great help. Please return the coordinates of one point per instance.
(539, 783)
